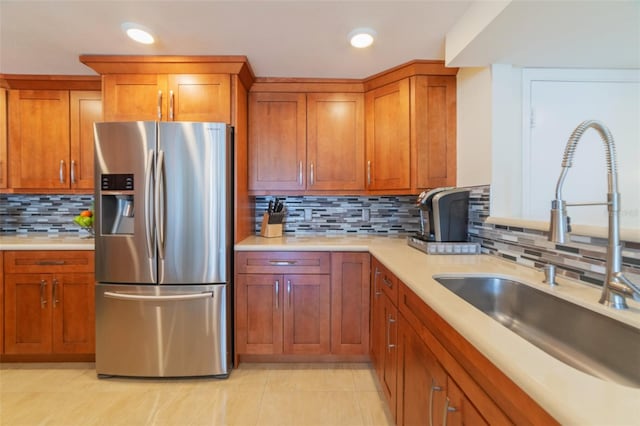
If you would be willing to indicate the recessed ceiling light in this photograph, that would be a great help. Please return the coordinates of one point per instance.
(361, 37)
(137, 33)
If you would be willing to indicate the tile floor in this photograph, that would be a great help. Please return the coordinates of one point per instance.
(254, 394)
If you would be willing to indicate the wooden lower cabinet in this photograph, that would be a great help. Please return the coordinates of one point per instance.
(302, 305)
(350, 303)
(429, 374)
(384, 336)
(282, 314)
(422, 382)
(49, 303)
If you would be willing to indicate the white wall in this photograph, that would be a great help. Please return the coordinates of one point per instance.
(474, 126)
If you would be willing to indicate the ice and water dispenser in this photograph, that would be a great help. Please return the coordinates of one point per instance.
(117, 204)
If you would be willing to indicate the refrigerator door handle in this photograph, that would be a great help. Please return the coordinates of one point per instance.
(159, 204)
(148, 173)
(145, 298)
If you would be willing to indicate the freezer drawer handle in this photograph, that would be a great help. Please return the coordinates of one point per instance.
(138, 297)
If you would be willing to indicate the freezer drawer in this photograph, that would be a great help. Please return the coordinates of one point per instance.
(162, 331)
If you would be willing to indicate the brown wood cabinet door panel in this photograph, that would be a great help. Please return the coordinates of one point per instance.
(259, 314)
(388, 137)
(335, 141)
(460, 411)
(73, 307)
(86, 109)
(27, 313)
(283, 262)
(4, 161)
(421, 380)
(277, 141)
(130, 97)
(434, 131)
(350, 303)
(26, 261)
(390, 353)
(307, 314)
(39, 139)
(200, 97)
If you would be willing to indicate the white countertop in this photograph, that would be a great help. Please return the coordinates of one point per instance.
(569, 395)
(34, 241)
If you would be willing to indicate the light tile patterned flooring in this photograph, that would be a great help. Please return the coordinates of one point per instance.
(254, 395)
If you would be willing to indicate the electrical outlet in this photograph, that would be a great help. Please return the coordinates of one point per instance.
(307, 214)
(366, 215)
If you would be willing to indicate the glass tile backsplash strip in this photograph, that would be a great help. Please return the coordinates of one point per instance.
(582, 258)
(382, 215)
(41, 213)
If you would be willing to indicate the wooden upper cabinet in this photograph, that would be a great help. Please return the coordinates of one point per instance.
(39, 139)
(4, 166)
(335, 141)
(388, 137)
(131, 97)
(167, 97)
(433, 131)
(277, 141)
(86, 109)
(200, 97)
(51, 139)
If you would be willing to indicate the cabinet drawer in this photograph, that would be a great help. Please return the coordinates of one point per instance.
(283, 262)
(26, 261)
(387, 282)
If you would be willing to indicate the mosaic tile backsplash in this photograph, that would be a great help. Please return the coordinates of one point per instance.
(582, 258)
(382, 215)
(41, 213)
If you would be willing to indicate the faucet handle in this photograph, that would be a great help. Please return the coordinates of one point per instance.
(549, 274)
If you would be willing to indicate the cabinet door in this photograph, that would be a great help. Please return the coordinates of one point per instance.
(277, 141)
(39, 139)
(433, 131)
(199, 97)
(307, 314)
(459, 410)
(27, 313)
(4, 166)
(335, 141)
(421, 380)
(388, 137)
(131, 97)
(259, 313)
(86, 109)
(72, 304)
(389, 373)
(377, 323)
(1, 303)
(350, 303)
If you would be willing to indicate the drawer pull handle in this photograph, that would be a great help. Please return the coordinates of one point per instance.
(376, 292)
(387, 282)
(283, 262)
(55, 293)
(277, 295)
(50, 262)
(390, 345)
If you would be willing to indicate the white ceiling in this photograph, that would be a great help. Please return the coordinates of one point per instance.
(306, 38)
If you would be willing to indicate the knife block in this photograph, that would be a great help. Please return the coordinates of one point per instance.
(270, 230)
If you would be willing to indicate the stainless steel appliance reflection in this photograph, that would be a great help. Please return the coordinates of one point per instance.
(163, 205)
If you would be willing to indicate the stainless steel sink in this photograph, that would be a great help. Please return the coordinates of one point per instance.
(584, 339)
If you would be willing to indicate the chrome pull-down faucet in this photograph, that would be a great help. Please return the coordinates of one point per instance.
(616, 286)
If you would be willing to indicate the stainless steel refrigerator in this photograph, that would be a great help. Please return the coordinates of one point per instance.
(163, 247)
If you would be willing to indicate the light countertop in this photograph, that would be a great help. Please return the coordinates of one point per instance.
(569, 395)
(35, 241)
